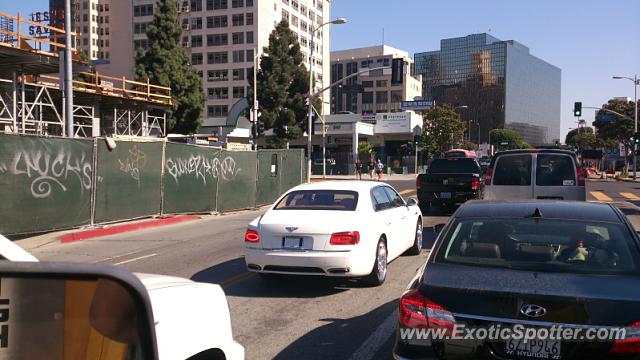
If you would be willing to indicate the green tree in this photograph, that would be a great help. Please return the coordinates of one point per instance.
(283, 87)
(619, 130)
(442, 130)
(581, 138)
(365, 151)
(512, 138)
(166, 63)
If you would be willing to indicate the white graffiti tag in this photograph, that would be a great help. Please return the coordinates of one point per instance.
(202, 168)
(45, 169)
(137, 160)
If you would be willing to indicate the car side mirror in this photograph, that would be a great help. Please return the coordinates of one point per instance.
(412, 202)
(438, 228)
(73, 311)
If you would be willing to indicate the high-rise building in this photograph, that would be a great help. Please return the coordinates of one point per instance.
(373, 91)
(101, 27)
(221, 36)
(497, 84)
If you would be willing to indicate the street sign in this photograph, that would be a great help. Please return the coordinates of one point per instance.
(605, 117)
(417, 105)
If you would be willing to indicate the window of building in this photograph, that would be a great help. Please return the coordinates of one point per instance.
(303, 41)
(143, 10)
(237, 19)
(196, 23)
(218, 93)
(217, 110)
(238, 74)
(85, 17)
(238, 56)
(85, 30)
(196, 41)
(250, 55)
(249, 18)
(237, 38)
(216, 4)
(93, 42)
(93, 18)
(106, 7)
(85, 5)
(217, 21)
(196, 59)
(294, 20)
(285, 15)
(367, 84)
(303, 10)
(249, 3)
(295, 5)
(85, 42)
(285, 2)
(237, 3)
(217, 75)
(220, 57)
(196, 5)
(303, 26)
(217, 39)
(382, 83)
(319, 5)
(238, 92)
(249, 37)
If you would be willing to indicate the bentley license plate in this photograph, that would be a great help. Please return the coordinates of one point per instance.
(290, 242)
(538, 349)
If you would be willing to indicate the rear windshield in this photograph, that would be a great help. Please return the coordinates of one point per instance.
(541, 245)
(319, 200)
(454, 165)
(513, 170)
(555, 170)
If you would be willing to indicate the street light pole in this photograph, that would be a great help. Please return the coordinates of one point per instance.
(635, 117)
(68, 82)
(337, 21)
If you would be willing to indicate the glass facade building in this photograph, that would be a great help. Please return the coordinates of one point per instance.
(500, 82)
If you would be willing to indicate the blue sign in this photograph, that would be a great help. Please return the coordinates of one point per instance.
(605, 117)
(417, 105)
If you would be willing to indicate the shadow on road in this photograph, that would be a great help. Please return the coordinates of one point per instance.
(222, 272)
(339, 338)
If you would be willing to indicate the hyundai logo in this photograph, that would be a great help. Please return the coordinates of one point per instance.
(531, 310)
(291, 228)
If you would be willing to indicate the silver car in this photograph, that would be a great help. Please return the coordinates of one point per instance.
(535, 174)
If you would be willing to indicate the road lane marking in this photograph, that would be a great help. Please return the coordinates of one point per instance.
(407, 191)
(374, 342)
(135, 259)
(630, 196)
(599, 195)
(236, 279)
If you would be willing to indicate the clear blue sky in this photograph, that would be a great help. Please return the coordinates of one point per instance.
(590, 40)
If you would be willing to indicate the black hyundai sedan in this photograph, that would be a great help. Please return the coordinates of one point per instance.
(526, 280)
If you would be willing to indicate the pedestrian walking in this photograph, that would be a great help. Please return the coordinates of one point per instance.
(379, 169)
(358, 169)
(371, 168)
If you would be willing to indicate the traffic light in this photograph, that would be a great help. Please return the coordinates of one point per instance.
(577, 109)
(636, 138)
(417, 140)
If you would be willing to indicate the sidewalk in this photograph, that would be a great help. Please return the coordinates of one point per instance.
(364, 177)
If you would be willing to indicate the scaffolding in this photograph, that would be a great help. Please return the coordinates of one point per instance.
(31, 97)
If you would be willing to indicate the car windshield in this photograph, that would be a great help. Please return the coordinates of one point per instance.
(454, 165)
(541, 245)
(319, 200)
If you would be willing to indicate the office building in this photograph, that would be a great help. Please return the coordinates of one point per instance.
(221, 36)
(501, 84)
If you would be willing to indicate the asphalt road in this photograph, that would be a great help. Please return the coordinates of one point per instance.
(294, 318)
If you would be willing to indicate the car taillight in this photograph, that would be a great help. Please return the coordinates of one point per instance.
(345, 238)
(417, 311)
(487, 177)
(474, 184)
(251, 236)
(631, 342)
(580, 175)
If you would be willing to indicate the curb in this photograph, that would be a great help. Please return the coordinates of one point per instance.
(117, 229)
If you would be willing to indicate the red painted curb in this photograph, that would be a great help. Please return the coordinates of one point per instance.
(117, 229)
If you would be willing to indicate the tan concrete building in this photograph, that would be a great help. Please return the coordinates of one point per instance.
(374, 91)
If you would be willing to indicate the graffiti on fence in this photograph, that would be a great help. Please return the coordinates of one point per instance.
(49, 170)
(131, 165)
(202, 168)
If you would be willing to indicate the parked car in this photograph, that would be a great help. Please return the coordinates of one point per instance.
(192, 314)
(448, 182)
(535, 174)
(334, 228)
(535, 264)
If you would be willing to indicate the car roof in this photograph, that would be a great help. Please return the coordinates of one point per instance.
(551, 209)
(533, 151)
(353, 185)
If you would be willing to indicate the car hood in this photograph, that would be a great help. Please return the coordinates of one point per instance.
(154, 281)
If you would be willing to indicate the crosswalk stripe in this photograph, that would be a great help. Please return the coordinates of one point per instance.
(630, 196)
(599, 195)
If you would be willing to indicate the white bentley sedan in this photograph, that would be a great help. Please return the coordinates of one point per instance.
(334, 228)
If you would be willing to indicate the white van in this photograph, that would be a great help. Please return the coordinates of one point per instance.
(535, 174)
